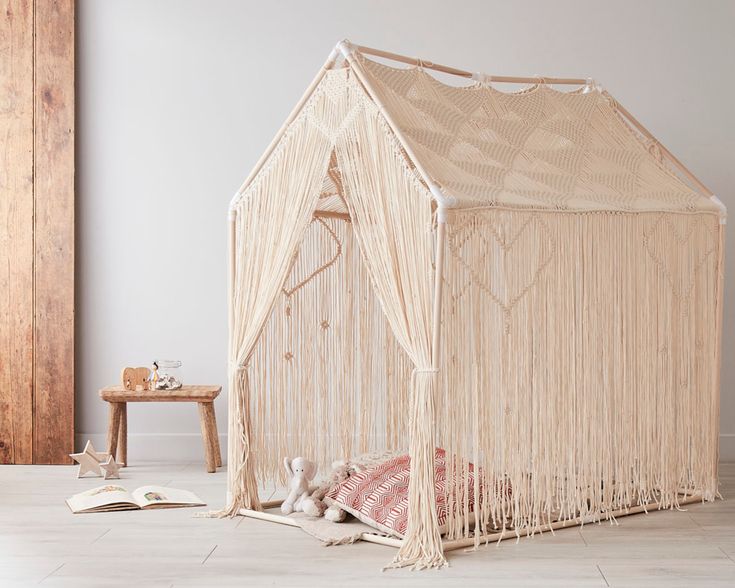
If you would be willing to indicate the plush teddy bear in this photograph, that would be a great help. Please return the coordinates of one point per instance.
(302, 471)
(314, 505)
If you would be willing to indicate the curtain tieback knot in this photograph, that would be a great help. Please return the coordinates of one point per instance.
(425, 370)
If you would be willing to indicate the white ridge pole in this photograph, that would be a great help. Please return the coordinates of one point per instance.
(468, 74)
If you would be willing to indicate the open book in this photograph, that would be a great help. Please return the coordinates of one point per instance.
(114, 497)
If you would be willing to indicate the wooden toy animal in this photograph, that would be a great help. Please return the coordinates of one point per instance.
(134, 377)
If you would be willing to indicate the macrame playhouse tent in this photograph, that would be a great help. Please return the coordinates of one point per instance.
(527, 282)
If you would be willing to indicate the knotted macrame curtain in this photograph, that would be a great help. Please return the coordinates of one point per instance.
(392, 218)
(271, 218)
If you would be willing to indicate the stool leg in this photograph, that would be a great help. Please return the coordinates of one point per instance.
(206, 436)
(215, 434)
(113, 431)
(122, 438)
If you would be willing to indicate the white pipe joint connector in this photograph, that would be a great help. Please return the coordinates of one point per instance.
(722, 207)
(235, 200)
(346, 48)
(442, 202)
(441, 214)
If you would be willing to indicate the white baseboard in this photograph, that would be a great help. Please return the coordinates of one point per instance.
(188, 446)
(176, 447)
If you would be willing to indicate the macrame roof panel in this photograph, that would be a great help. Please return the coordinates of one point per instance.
(537, 148)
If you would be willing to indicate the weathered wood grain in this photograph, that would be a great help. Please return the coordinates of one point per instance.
(204, 420)
(117, 431)
(54, 231)
(16, 232)
(183, 394)
(113, 428)
(215, 434)
(122, 436)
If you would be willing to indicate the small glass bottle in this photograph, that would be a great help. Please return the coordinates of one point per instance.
(168, 374)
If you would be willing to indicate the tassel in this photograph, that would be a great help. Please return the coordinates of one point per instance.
(422, 546)
(241, 479)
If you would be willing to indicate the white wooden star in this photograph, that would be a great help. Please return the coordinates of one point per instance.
(88, 460)
(111, 468)
(98, 455)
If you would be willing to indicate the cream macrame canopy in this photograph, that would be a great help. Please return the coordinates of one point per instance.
(528, 280)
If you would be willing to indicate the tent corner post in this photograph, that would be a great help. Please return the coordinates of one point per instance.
(231, 268)
(441, 228)
(719, 304)
(232, 249)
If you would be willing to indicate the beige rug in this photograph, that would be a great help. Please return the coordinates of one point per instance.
(331, 533)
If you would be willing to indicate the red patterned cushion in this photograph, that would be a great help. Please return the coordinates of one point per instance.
(379, 496)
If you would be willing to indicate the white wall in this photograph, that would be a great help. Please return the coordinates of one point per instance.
(177, 100)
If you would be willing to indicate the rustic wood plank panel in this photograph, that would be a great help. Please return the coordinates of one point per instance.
(16, 232)
(54, 231)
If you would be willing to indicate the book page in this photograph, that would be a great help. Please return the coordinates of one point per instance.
(160, 496)
(100, 497)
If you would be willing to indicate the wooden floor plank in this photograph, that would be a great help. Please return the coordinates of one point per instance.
(40, 540)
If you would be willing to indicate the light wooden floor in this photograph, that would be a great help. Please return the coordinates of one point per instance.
(41, 542)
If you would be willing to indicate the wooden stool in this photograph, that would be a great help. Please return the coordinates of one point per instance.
(117, 432)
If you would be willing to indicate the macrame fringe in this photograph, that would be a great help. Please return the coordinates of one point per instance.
(327, 317)
(392, 215)
(243, 477)
(422, 545)
(343, 541)
(271, 218)
(581, 354)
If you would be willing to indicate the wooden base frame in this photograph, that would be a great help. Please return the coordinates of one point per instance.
(284, 520)
(456, 544)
